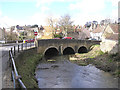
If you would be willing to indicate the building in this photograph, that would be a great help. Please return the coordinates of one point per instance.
(110, 39)
(2, 34)
(47, 32)
(84, 33)
(96, 33)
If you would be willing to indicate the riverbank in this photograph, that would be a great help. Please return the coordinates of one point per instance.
(26, 63)
(103, 61)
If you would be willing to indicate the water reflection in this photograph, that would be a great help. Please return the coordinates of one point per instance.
(59, 72)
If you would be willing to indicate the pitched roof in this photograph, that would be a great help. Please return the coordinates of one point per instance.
(114, 27)
(98, 29)
(84, 33)
(112, 37)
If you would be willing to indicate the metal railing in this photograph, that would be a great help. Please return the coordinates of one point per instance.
(14, 71)
(15, 75)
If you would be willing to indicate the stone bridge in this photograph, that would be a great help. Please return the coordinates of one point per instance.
(64, 46)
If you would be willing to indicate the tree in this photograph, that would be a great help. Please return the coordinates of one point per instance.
(34, 26)
(41, 27)
(106, 22)
(53, 23)
(50, 21)
(66, 23)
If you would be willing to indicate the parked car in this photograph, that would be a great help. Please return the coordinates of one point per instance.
(32, 40)
(29, 40)
(67, 38)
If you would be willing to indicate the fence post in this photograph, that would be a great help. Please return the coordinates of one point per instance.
(9, 59)
(22, 47)
(18, 48)
(26, 45)
(30, 44)
(14, 51)
(9, 55)
(11, 52)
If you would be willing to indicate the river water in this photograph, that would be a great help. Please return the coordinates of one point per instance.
(59, 72)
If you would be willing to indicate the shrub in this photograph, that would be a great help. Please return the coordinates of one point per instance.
(57, 36)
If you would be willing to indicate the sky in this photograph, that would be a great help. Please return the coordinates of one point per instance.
(30, 12)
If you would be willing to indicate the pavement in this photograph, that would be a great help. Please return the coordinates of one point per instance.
(5, 74)
(6, 70)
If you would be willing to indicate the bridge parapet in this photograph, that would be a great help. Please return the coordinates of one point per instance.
(61, 44)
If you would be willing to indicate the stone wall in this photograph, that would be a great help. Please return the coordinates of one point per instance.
(110, 46)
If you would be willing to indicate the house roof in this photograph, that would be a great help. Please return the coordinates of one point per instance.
(84, 33)
(98, 29)
(114, 27)
(26, 28)
(112, 37)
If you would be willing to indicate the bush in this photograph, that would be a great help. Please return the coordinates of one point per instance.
(57, 36)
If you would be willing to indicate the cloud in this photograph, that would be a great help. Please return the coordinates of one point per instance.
(88, 5)
(44, 9)
(88, 10)
(43, 2)
(81, 19)
(114, 2)
(7, 22)
(41, 18)
(38, 18)
(17, 0)
(114, 14)
(0, 12)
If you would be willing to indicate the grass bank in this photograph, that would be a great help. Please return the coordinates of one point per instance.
(26, 63)
(103, 61)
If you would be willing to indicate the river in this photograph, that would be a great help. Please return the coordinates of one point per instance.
(60, 72)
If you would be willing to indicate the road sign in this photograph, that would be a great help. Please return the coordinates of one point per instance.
(35, 33)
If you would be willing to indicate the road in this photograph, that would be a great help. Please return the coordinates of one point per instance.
(5, 74)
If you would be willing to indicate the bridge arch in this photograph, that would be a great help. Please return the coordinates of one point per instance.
(82, 49)
(68, 50)
(51, 51)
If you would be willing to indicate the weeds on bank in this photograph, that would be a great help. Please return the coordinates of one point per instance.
(26, 65)
(110, 60)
